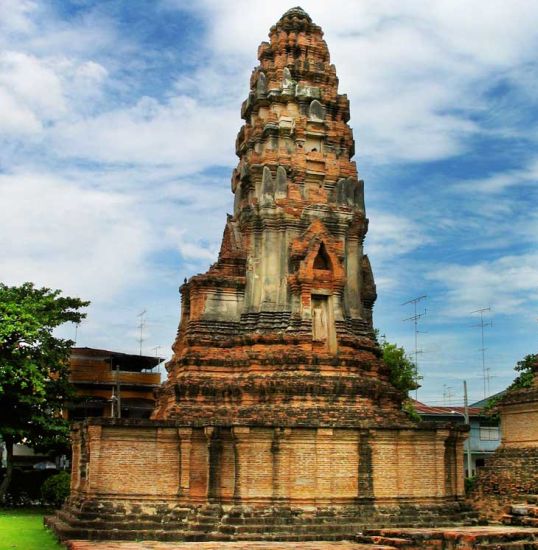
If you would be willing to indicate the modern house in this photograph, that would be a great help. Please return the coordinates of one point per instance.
(107, 383)
(112, 384)
(484, 436)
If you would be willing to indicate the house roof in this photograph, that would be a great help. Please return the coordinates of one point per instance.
(483, 402)
(424, 409)
(126, 361)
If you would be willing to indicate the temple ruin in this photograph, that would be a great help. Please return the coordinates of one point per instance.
(278, 419)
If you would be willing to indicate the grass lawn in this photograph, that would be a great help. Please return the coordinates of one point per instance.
(24, 530)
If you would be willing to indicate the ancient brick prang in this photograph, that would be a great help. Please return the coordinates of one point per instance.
(278, 419)
(279, 330)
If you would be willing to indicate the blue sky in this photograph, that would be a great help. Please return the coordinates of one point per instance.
(117, 129)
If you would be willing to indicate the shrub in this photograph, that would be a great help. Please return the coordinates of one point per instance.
(409, 408)
(470, 483)
(56, 489)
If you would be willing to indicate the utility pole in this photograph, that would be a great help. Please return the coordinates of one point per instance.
(447, 395)
(141, 326)
(415, 318)
(156, 350)
(483, 324)
(468, 422)
(118, 392)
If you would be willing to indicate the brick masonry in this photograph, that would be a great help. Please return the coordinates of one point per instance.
(164, 460)
(87, 545)
(512, 471)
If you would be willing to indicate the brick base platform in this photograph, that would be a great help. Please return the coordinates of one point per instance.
(464, 538)
(90, 545)
(217, 523)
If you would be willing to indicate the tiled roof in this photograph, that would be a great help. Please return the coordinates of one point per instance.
(422, 408)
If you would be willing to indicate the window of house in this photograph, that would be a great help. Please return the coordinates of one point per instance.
(489, 433)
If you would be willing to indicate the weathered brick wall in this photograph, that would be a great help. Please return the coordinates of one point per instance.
(417, 464)
(255, 465)
(126, 462)
(513, 469)
(519, 425)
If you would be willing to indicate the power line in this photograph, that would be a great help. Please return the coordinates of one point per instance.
(415, 318)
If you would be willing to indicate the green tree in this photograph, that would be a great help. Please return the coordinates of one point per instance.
(403, 374)
(403, 371)
(33, 368)
(526, 368)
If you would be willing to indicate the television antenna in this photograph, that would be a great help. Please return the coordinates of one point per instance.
(141, 326)
(482, 325)
(416, 318)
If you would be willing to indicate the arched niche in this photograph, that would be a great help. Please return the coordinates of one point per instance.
(322, 260)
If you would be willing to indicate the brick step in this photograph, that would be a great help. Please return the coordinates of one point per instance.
(126, 524)
(343, 530)
(288, 537)
(90, 516)
(395, 542)
(326, 528)
(525, 521)
(135, 525)
(363, 521)
(236, 519)
(524, 514)
(523, 510)
(518, 545)
(485, 538)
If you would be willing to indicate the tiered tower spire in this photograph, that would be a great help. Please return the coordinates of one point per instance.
(280, 328)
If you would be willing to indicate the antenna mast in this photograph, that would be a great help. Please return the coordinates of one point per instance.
(415, 318)
(141, 326)
(482, 324)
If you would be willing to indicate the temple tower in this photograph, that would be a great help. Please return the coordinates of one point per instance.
(282, 323)
(278, 419)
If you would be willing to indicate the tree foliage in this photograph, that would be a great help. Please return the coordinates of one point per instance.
(526, 368)
(34, 367)
(403, 371)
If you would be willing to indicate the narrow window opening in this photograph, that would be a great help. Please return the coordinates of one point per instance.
(322, 260)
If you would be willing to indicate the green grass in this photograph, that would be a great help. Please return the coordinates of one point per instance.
(24, 530)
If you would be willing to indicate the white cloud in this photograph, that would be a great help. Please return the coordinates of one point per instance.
(413, 70)
(391, 235)
(501, 181)
(33, 82)
(59, 234)
(508, 284)
(181, 132)
(15, 16)
(37, 92)
(16, 118)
